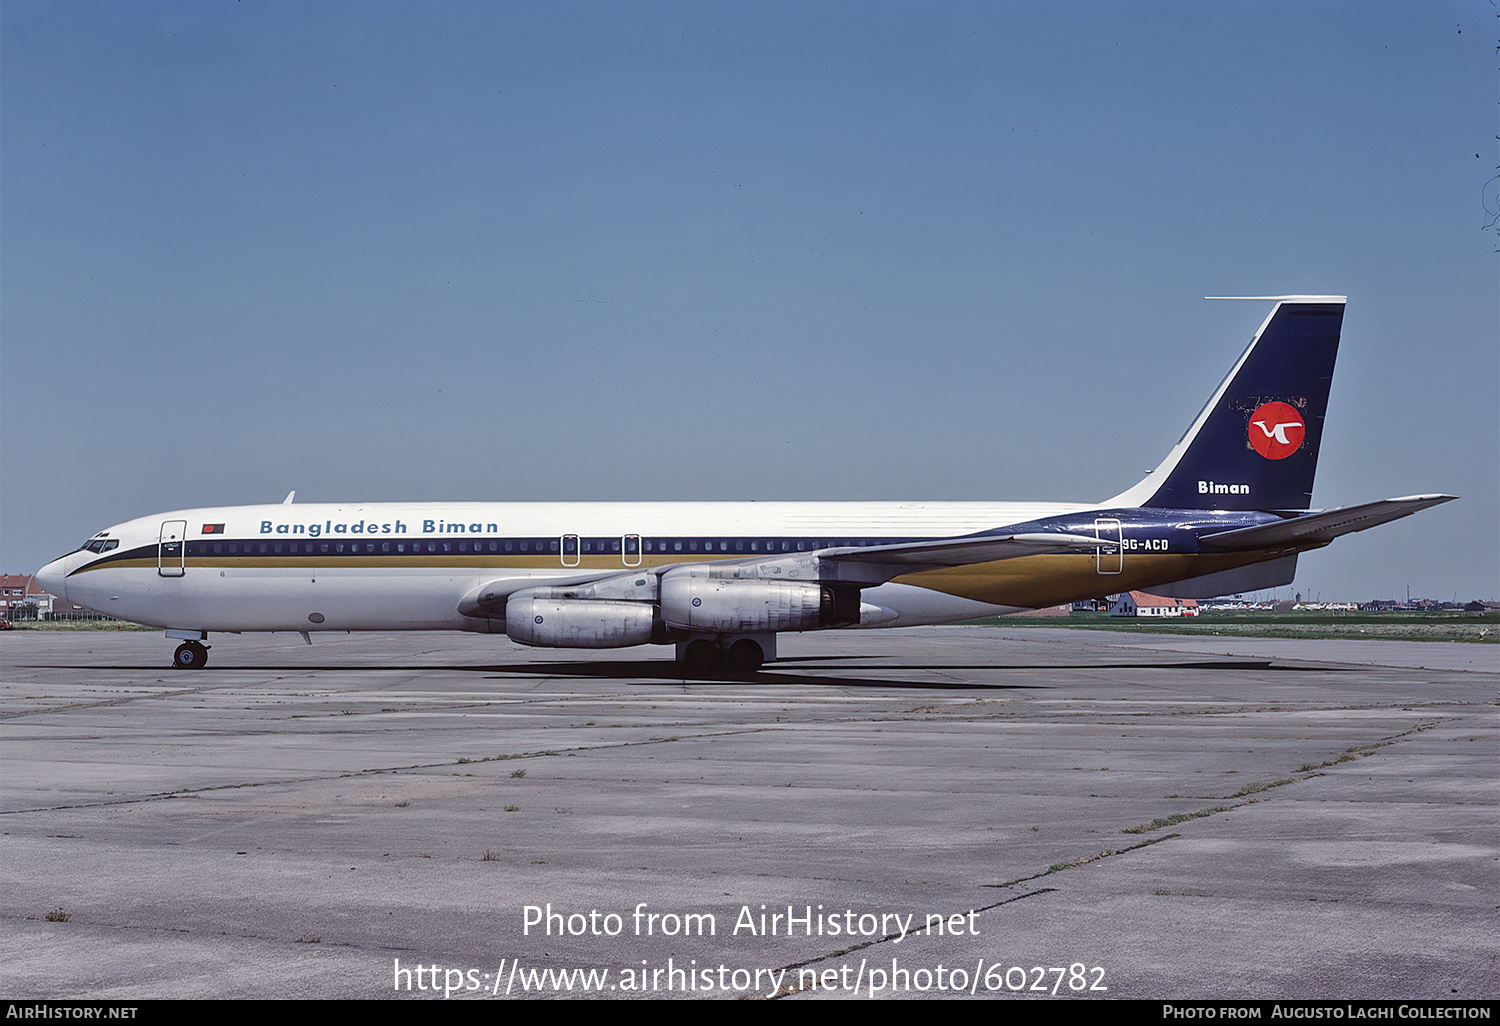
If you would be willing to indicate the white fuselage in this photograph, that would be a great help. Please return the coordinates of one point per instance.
(390, 566)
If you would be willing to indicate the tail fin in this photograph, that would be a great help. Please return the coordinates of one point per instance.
(1255, 445)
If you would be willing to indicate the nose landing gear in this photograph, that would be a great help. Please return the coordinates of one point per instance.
(190, 655)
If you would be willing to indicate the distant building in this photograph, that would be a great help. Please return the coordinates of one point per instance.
(1139, 603)
(17, 590)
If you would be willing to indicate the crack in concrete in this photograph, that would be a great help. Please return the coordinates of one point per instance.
(789, 991)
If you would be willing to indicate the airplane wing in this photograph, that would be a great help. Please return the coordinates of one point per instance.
(864, 565)
(488, 599)
(876, 564)
(1314, 529)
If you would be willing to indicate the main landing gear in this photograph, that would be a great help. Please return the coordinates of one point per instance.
(190, 655)
(744, 655)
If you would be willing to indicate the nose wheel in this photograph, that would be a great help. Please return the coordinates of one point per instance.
(190, 655)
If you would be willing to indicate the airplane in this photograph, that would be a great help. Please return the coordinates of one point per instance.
(1228, 510)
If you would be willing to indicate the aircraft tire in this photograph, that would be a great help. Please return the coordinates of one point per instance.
(746, 656)
(190, 655)
(701, 656)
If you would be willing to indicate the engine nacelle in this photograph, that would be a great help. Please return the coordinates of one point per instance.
(712, 601)
(545, 618)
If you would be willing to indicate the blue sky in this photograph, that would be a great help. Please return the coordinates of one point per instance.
(733, 250)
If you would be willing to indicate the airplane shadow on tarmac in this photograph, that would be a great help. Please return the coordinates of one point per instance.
(643, 671)
(652, 670)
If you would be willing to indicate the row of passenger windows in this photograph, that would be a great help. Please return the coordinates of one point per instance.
(218, 548)
(569, 546)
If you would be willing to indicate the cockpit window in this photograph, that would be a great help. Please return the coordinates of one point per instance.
(100, 544)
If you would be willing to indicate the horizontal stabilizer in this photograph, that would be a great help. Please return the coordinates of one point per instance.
(1320, 528)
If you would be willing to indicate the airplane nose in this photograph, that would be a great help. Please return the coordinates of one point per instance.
(53, 579)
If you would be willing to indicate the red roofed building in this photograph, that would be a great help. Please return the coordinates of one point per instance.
(1139, 603)
(16, 590)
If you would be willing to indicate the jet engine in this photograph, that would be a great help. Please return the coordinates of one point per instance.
(547, 618)
(720, 601)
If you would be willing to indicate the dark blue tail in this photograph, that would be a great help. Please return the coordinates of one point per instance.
(1255, 445)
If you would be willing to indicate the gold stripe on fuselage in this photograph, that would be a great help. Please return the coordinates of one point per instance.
(1034, 582)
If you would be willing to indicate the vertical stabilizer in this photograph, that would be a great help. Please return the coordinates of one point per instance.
(1255, 445)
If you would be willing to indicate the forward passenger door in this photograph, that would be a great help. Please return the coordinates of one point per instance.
(171, 549)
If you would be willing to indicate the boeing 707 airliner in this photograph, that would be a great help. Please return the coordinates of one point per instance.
(1228, 510)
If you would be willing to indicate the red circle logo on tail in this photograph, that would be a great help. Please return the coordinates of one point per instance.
(1276, 430)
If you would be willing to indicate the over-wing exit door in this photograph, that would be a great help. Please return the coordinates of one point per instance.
(1109, 557)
